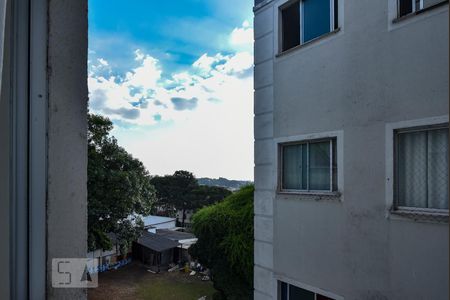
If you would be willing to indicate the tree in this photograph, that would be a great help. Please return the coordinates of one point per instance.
(176, 190)
(205, 195)
(119, 189)
(225, 243)
(181, 191)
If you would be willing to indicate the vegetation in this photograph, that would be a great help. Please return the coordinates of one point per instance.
(223, 182)
(177, 287)
(118, 187)
(225, 243)
(181, 191)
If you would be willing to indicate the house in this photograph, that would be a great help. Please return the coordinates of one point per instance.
(185, 241)
(351, 149)
(151, 223)
(154, 250)
(163, 247)
(110, 258)
(188, 213)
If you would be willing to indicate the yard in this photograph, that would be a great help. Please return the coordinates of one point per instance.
(135, 282)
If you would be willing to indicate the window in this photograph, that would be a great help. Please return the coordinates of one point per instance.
(291, 292)
(305, 20)
(309, 166)
(406, 7)
(421, 168)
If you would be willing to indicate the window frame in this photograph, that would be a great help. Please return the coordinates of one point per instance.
(314, 291)
(396, 132)
(333, 142)
(334, 23)
(416, 11)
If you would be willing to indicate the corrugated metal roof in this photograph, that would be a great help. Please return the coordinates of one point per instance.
(175, 235)
(156, 242)
(155, 220)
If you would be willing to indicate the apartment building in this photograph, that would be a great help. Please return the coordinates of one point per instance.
(351, 149)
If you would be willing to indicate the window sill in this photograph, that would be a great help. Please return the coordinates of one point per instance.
(421, 215)
(313, 41)
(419, 12)
(309, 195)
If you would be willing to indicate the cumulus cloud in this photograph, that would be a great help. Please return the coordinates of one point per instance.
(242, 37)
(184, 104)
(142, 96)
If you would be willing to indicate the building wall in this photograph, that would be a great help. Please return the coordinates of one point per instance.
(67, 137)
(357, 81)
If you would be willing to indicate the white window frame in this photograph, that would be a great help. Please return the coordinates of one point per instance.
(391, 202)
(302, 285)
(414, 8)
(28, 151)
(302, 26)
(298, 139)
(331, 141)
(395, 22)
(278, 24)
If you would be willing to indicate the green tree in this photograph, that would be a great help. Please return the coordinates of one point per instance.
(118, 187)
(225, 243)
(181, 191)
(176, 191)
(205, 195)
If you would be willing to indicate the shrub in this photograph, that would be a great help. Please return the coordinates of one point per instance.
(225, 243)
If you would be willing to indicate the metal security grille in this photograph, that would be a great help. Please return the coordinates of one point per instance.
(422, 168)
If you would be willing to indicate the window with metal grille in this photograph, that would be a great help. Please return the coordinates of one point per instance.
(421, 168)
(306, 20)
(309, 166)
(406, 7)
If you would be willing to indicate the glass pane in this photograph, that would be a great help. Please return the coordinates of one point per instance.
(316, 18)
(283, 286)
(428, 3)
(296, 293)
(437, 175)
(294, 169)
(412, 169)
(334, 166)
(321, 297)
(405, 7)
(290, 17)
(319, 166)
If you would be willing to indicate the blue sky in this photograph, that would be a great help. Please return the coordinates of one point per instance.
(176, 79)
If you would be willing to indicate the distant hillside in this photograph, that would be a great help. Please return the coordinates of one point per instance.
(232, 185)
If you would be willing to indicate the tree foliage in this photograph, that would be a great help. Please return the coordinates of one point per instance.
(118, 187)
(225, 243)
(181, 191)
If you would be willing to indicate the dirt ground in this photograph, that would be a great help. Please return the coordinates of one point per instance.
(135, 282)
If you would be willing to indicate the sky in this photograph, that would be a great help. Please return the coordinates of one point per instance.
(176, 79)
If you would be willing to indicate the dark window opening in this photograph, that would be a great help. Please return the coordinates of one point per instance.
(291, 292)
(291, 26)
(406, 7)
(305, 20)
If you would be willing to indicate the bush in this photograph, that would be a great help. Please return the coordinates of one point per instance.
(225, 243)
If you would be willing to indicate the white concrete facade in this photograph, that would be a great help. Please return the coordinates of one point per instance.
(361, 82)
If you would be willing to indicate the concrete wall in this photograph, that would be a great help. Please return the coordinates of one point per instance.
(67, 140)
(369, 74)
(265, 178)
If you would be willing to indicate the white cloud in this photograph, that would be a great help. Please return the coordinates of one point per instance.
(242, 37)
(208, 107)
